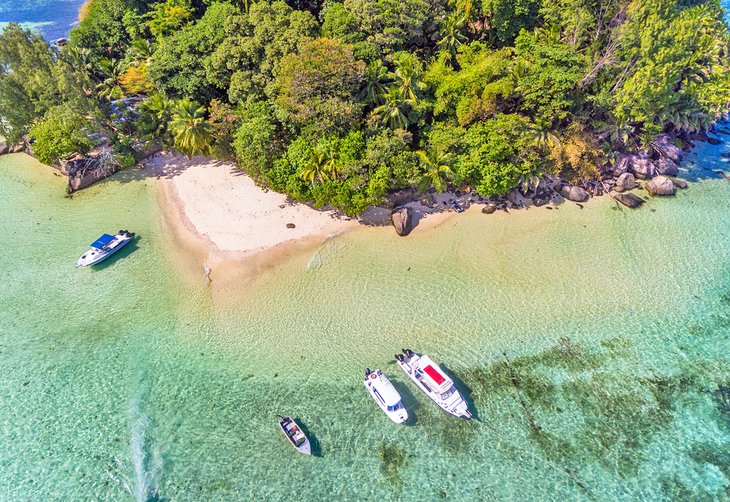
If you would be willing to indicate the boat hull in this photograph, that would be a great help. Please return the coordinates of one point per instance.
(92, 258)
(398, 416)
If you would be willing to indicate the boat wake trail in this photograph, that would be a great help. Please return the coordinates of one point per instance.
(142, 480)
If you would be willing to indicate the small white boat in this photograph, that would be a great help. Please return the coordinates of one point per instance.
(295, 435)
(103, 247)
(385, 395)
(433, 381)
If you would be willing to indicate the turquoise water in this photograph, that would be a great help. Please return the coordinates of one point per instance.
(592, 343)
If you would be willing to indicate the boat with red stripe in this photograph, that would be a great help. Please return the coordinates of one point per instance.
(431, 379)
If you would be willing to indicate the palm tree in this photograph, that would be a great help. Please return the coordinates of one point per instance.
(109, 86)
(393, 112)
(159, 109)
(436, 169)
(141, 51)
(542, 135)
(452, 34)
(407, 76)
(376, 77)
(320, 167)
(192, 134)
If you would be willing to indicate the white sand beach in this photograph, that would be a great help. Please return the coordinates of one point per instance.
(225, 207)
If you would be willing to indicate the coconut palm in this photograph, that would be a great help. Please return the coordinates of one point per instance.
(109, 86)
(436, 169)
(393, 112)
(453, 37)
(192, 134)
(407, 76)
(158, 111)
(320, 167)
(376, 78)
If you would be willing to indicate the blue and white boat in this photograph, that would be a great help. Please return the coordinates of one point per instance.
(103, 247)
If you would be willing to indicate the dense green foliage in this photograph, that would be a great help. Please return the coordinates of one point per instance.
(341, 102)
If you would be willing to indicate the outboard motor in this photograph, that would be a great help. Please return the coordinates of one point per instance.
(367, 372)
(408, 352)
(399, 357)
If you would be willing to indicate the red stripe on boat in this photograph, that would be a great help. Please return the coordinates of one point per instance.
(435, 375)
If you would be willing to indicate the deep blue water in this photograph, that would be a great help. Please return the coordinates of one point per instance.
(52, 18)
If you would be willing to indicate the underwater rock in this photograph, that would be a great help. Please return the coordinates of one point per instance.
(576, 194)
(714, 141)
(660, 186)
(680, 183)
(699, 136)
(401, 219)
(625, 182)
(629, 200)
(489, 209)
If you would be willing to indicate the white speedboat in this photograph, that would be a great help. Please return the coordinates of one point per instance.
(434, 382)
(295, 435)
(103, 247)
(385, 395)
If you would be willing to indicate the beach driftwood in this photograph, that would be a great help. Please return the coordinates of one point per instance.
(401, 219)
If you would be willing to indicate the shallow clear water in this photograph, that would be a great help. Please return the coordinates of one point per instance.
(593, 344)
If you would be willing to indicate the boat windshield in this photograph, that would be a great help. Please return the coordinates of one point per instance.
(448, 393)
(397, 406)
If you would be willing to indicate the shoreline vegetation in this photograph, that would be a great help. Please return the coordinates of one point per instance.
(366, 106)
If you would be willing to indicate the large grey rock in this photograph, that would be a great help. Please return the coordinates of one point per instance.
(642, 167)
(666, 167)
(664, 145)
(4, 149)
(621, 165)
(576, 194)
(629, 199)
(19, 148)
(660, 186)
(401, 219)
(625, 182)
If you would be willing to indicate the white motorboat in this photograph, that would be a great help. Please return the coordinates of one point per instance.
(385, 395)
(103, 247)
(295, 435)
(434, 382)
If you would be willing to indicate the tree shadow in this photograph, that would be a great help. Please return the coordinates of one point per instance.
(313, 441)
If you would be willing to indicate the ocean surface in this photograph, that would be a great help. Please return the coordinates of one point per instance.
(52, 18)
(593, 345)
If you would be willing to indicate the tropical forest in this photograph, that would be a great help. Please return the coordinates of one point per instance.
(342, 103)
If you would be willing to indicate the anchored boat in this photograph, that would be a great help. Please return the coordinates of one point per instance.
(295, 435)
(434, 382)
(103, 247)
(385, 395)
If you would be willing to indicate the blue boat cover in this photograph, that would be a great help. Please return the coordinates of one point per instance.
(102, 241)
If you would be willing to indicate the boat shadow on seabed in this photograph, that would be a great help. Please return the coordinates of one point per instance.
(119, 255)
(313, 441)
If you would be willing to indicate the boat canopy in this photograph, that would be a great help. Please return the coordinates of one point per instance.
(102, 241)
(434, 373)
(387, 392)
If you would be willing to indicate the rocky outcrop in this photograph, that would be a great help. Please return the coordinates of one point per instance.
(401, 219)
(574, 193)
(625, 182)
(660, 186)
(665, 147)
(621, 165)
(88, 175)
(666, 167)
(642, 167)
(629, 199)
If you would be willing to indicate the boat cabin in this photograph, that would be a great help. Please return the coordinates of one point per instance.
(431, 376)
(102, 241)
(386, 394)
